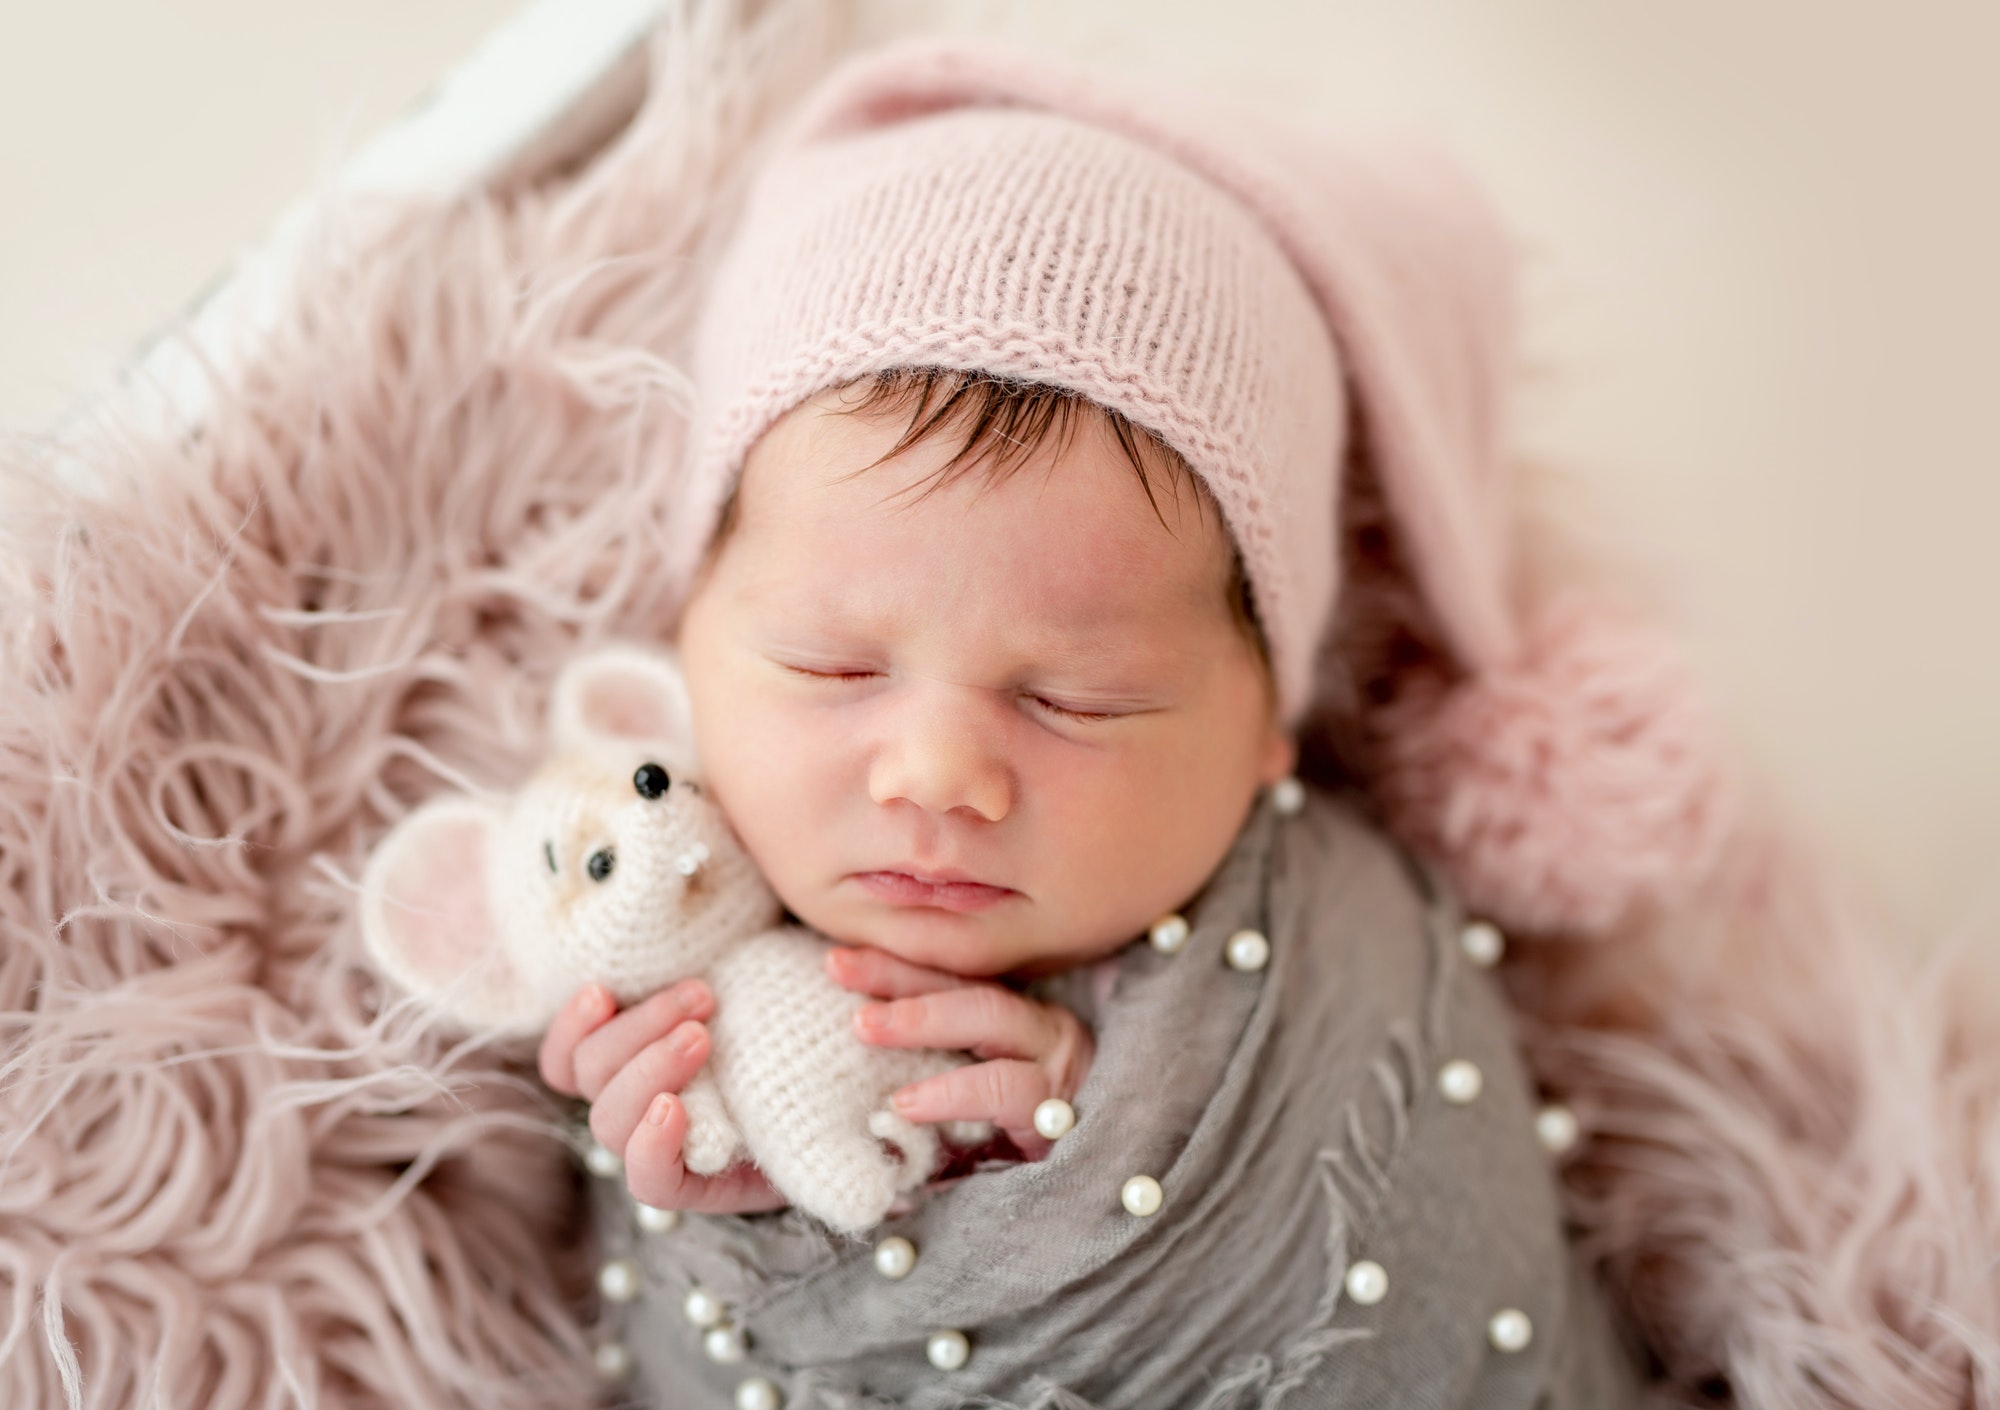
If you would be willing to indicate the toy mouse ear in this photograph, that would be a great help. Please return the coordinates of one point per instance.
(626, 695)
(428, 917)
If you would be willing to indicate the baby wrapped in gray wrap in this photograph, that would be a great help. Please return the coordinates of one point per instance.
(1339, 1227)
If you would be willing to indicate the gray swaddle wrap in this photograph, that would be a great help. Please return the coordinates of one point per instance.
(1294, 1119)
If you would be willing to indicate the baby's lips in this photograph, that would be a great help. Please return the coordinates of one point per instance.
(903, 888)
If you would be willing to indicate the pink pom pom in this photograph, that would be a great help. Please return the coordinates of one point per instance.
(1565, 789)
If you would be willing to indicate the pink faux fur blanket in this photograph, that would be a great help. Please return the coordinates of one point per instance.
(231, 1175)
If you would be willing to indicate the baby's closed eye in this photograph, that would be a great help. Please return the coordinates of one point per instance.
(856, 673)
(1086, 712)
(1074, 712)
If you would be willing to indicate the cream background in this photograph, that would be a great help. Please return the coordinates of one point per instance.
(1766, 303)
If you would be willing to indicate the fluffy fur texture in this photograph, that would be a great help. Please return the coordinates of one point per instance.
(232, 1175)
(1794, 1176)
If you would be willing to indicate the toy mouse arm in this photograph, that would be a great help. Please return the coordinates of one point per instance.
(713, 1143)
(428, 917)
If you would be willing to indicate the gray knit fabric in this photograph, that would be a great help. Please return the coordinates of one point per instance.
(1292, 1116)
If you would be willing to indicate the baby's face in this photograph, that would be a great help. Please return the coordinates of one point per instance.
(998, 729)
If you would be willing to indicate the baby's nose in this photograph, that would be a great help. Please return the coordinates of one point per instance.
(944, 755)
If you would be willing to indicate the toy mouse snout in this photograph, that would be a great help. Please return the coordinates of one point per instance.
(652, 782)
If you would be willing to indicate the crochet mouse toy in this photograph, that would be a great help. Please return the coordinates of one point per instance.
(610, 865)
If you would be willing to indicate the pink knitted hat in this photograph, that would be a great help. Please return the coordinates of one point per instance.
(1258, 298)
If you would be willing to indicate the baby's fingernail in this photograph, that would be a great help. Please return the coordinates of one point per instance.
(905, 1101)
(874, 1017)
(684, 1039)
(689, 993)
(660, 1110)
(597, 1002)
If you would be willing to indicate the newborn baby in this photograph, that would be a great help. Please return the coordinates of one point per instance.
(990, 726)
(1015, 503)
(974, 725)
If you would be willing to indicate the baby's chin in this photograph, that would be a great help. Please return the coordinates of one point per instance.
(984, 945)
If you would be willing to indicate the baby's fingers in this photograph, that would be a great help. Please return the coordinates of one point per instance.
(665, 1065)
(867, 970)
(1005, 1092)
(986, 1021)
(655, 1175)
(587, 1008)
(606, 1051)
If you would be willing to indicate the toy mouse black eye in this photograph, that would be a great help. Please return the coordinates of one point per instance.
(652, 781)
(600, 863)
(549, 851)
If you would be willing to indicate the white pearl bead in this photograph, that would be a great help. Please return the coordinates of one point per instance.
(1054, 1118)
(1510, 1330)
(1459, 1082)
(614, 1362)
(703, 1308)
(1169, 933)
(1288, 796)
(657, 1221)
(603, 1162)
(619, 1280)
(1482, 943)
(758, 1394)
(947, 1350)
(1142, 1195)
(1367, 1283)
(895, 1256)
(1557, 1129)
(1248, 951)
(724, 1344)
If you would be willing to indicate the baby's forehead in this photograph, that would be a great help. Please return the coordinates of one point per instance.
(1077, 547)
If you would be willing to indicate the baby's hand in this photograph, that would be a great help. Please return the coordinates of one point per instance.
(1028, 1051)
(631, 1068)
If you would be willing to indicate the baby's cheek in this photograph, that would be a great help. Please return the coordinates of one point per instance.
(770, 778)
(1101, 881)
(1148, 850)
